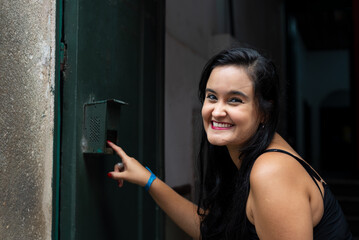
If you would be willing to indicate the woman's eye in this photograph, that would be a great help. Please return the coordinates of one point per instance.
(211, 97)
(235, 100)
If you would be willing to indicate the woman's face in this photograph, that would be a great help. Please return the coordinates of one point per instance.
(229, 111)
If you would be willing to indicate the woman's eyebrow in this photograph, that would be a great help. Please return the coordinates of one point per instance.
(233, 92)
(210, 90)
(238, 93)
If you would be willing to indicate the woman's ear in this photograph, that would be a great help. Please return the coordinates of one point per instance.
(262, 119)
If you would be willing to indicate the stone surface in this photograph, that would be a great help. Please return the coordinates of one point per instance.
(27, 58)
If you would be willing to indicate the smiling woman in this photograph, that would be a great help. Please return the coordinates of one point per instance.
(229, 112)
(252, 183)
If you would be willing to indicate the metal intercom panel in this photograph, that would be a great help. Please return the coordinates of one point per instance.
(101, 121)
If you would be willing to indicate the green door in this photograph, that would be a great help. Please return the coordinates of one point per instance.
(114, 50)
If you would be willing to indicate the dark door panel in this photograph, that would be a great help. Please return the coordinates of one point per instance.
(114, 51)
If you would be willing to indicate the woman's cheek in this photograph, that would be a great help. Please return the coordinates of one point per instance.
(205, 112)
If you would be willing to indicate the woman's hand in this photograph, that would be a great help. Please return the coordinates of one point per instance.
(132, 171)
(182, 211)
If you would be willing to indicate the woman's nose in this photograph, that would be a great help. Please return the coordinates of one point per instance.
(219, 110)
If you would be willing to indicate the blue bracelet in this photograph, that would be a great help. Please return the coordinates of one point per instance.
(152, 178)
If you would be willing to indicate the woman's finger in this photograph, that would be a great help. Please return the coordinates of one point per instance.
(116, 175)
(118, 150)
(120, 183)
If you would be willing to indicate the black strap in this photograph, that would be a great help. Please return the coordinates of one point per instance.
(306, 166)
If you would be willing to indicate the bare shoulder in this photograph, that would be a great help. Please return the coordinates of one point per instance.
(277, 175)
(276, 166)
(278, 202)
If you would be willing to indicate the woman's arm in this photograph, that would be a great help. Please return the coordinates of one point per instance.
(179, 209)
(279, 203)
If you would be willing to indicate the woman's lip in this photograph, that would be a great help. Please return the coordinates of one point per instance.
(220, 125)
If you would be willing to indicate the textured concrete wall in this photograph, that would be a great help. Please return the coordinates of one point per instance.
(27, 50)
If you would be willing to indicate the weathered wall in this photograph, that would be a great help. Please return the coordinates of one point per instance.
(27, 50)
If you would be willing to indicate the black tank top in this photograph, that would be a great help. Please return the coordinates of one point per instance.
(333, 224)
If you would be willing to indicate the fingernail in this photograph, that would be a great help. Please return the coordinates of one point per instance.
(108, 141)
(109, 175)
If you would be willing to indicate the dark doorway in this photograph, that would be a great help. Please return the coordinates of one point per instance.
(321, 85)
(322, 60)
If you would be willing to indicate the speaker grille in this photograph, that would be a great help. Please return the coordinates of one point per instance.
(95, 126)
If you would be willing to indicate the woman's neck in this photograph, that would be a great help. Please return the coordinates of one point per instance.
(234, 153)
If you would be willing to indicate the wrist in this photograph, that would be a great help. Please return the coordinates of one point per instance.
(150, 180)
(145, 177)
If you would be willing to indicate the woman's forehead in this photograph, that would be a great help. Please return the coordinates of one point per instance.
(230, 79)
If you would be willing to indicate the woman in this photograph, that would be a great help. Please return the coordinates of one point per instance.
(252, 183)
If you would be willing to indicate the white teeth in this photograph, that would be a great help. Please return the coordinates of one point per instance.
(221, 125)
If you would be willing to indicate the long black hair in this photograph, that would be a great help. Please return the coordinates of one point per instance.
(223, 188)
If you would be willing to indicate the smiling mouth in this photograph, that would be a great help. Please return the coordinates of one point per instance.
(221, 126)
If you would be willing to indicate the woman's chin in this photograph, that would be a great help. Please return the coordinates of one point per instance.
(217, 142)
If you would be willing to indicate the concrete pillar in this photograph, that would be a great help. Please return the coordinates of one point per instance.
(27, 76)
